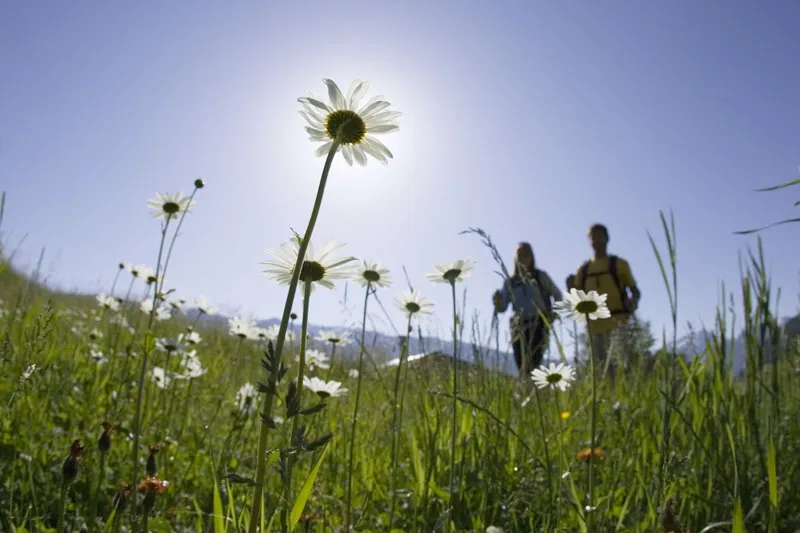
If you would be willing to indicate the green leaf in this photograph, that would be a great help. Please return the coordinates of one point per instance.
(772, 473)
(787, 221)
(781, 186)
(305, 492)
(219, 519)
(738, 518)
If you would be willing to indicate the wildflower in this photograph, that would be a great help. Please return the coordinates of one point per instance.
(320, 268)
(192, 368)
(170, 205)
(139, 271)
(160, 377)
(332, 337)
(122, 497)
(452, 272)
(150, 488)
(579, 305)
(564, 415)
(242, 328)
(170, 345)
(323, 388)
(192, 337)
(413, 303)
(494, 529)
(584, 454)
(315, 359)
(109, 302)
(354, 127)
(96, 355)
(202, 305)
(271, 333)
(199, 183)
(162, 313)
(95, 334)
(353, 373)
(244, 397)
(555, 376)
(27, 373)
(372, 274)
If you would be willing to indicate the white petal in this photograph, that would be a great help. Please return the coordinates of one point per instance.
(348, 155)
(373, 109)
(358, 153)
(384, 128)
(356, 92)
(323, 149)
(316, 103)
(335, 94)
(386, 116)
(311, 119)
(372, 141)
(373, 151)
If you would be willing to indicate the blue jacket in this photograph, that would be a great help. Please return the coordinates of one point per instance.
(527, 299)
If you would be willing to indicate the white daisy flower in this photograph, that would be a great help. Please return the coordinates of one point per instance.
(372, 274)
(192, 337)
(578, 305)
(245, 397)
(341, 339)
(494, 529)
(315, 359)
(271, 333)
(159, 375)
(322, 267)
(170, 345)
(243, 328)
(323, 388)
(191, 366)
(354, 126)
(558, 376)
(202, 305)
(452, 272)
(412, 302)
(109, 302)
(162, 313)
(170, 205)
(139, 271)
(353, 373)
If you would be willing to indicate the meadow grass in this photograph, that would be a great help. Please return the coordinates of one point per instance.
(682, 446)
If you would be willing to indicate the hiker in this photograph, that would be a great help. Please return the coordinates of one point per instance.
(529, 291)
(610, 275)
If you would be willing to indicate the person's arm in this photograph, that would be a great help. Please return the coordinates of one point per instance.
(628, 282)
(551, 289)
(501, 299)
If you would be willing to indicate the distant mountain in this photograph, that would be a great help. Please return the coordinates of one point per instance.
(695, 345)
(384, 347)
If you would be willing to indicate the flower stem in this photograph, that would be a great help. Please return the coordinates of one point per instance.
(354, 428)
(397, 419)
(261, 469)
(590, 521)
(546, 454)
(98, 488)
(455, 412)
(143, 373)
(287, 484)
(62, 505)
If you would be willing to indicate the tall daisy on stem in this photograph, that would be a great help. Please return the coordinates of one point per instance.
(345, 126)
(452, 273)
(583, 307)
(320, 269)
(370, 276)
(168, 207)
(412, 304)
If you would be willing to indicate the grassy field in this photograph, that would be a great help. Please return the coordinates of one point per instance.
(685, 447)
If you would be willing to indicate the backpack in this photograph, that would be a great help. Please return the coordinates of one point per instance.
(548, 304)
(612, 270)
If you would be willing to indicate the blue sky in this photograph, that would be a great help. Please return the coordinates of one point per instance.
(531, 120)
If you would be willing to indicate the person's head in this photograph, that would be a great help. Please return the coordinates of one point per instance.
(598, 237)
(524, 258)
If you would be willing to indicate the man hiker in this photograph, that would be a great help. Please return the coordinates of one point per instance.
(610, 275)
(529, 291)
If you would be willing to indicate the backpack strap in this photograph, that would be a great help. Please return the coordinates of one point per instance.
(584, 271)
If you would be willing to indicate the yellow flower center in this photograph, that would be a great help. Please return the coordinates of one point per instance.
(345, 125)
(586, 307)
(452, 275)
(171, 208)
(554, 378)
(412, 307)
(312, 271)
(371, 276)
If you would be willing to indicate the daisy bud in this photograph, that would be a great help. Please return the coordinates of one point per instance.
(293, 316)
(104, 442)
(152, 468)
(122, 497)
(199, 184)
(71, 467)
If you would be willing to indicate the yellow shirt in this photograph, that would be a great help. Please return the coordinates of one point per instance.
(598, 278)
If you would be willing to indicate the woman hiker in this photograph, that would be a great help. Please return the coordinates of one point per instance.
(529, 291)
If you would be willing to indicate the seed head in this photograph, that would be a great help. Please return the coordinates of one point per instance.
(199, 183)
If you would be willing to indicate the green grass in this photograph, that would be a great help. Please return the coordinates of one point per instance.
(723, 450)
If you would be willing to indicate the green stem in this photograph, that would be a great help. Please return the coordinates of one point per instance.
(354, 426)
(62, 505)
(397, 416)
(261, 470)
(287, 484)
(546, 454)
(594, 429)
(454, 431)
(96, 499)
